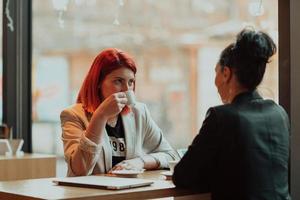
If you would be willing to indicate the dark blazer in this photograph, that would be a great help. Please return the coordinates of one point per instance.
(241, 152)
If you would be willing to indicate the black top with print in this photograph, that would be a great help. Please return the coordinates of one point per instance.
(117, 141)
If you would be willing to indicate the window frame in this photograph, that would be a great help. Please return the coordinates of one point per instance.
(17, 70)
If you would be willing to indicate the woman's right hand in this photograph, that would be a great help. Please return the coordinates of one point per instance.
(109, 108)
(112, 105)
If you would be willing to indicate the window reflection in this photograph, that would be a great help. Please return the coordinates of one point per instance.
(175, 43)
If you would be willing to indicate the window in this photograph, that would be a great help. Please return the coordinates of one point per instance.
(175, 43)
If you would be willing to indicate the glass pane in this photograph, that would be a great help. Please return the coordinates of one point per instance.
(176, 45)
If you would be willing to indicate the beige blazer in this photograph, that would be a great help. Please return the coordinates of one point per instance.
(142, 136)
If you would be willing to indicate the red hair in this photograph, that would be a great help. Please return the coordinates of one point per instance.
(106, 61)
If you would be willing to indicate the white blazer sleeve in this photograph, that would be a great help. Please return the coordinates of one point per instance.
(154, 142)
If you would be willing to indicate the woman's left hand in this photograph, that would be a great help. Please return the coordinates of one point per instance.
(132, 164)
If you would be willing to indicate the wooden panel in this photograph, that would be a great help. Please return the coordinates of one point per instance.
(27, 167)
(193, 90)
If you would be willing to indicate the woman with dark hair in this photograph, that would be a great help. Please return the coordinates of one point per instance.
(242, 149)
(101, 132)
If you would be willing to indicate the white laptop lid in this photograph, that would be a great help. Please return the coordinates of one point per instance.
(103, 182)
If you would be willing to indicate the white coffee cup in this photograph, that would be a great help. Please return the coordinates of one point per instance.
(172, 164)
(130, 97)
(16, 145)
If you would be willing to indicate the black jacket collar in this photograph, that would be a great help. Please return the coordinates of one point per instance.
(246, 96)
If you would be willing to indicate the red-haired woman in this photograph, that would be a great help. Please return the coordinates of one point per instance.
(101, 132)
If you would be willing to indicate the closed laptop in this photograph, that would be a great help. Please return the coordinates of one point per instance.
(103, 182)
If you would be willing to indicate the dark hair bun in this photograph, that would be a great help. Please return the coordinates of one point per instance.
(254, 45)
(249, 56)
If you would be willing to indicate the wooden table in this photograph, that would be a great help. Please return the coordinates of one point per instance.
(45, 189)
(27, 166)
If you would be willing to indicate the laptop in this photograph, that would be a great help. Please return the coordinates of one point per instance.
(103, 182)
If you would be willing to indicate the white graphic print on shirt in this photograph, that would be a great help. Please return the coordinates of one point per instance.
(118, 146)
